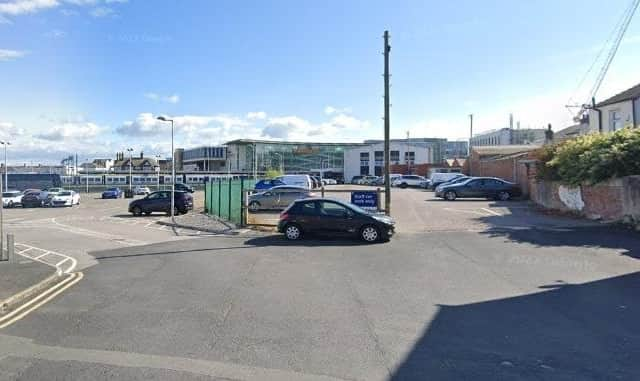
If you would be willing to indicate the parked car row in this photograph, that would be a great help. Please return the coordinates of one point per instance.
(478, 187)
(138, 190)
(31, 198)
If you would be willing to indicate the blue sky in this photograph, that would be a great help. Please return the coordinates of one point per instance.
(89, 76)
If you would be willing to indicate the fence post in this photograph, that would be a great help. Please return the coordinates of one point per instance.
(229, 200)
(11, 249)
(241, 201)
(206, 193)
(378, 199)
(219, 198)
(322, 191)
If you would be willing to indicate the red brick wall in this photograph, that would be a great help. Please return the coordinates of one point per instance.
(510, 169)
(614, 200)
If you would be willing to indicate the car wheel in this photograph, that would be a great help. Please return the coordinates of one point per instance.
(370, 233)
(403, 185)
(137, 211)
(254, 206)
(292, 232)
(504, 196)
(10, 204)
(450, 195)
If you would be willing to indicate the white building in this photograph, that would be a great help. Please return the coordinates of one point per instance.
(369, 159)
(621, 110)
(509, 136)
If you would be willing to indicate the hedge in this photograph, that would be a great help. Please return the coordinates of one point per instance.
(592, 158)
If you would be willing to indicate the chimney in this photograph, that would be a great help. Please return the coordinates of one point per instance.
(141, 155)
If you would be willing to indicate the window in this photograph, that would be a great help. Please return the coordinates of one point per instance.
(332, 209)
(409, 157)
(615, 120)
(394, 157)
(308, 209)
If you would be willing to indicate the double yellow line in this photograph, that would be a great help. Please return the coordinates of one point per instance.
(41, 299)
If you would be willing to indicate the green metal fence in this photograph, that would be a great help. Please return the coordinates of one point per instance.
(224, 198)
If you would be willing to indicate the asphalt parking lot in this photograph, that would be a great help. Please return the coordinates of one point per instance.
(470, 289)
(95, 224)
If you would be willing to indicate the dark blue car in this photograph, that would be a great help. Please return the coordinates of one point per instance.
(268, 184)
(112, 193)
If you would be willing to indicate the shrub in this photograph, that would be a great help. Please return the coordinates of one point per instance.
(272, 173)
(592, 158)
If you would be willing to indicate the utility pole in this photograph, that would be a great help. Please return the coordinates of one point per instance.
(470, 140)
(387, 185)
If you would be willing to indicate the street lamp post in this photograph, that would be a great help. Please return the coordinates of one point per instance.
(130, 150)
(158, 172)
(86, 170)
(6, 169)
(173, 167)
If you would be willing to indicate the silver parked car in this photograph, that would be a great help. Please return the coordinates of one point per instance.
(278, 197)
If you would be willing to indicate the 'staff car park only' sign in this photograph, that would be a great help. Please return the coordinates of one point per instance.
(367, 199)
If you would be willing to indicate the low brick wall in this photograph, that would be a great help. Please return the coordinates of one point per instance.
(616, 200)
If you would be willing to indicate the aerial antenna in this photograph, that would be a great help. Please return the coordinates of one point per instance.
(622, 27)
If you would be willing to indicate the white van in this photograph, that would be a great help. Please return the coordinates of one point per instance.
(303, 181)
(438, 178)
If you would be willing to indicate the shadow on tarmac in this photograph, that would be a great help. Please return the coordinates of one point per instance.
(586, 331)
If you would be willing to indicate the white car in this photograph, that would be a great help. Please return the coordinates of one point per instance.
(11, 199)
(140, 190)
(405, 181)
(65, 198)
(329, 181)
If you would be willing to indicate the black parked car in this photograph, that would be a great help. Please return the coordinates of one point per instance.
(332, 217)
(183, 188)
(480, 187)
(32, 199)
(161, 202)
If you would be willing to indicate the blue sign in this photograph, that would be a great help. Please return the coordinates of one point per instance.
(366, 199)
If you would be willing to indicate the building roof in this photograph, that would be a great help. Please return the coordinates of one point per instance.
(570, 132)
(504, 150)
(626, 95)
(136, 162)
(251, 141)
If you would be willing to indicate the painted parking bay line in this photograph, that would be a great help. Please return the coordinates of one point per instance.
(492, 212)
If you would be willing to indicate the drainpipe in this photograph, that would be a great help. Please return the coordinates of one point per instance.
(593, 107)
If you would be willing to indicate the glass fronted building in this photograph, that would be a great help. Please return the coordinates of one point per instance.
(249, 156)
(205, 158)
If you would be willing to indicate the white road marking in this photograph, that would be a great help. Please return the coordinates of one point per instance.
(61, 258)
(466, 211)
(492, 212)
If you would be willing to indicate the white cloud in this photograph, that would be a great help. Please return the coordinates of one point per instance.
(340, 126)
(256, 115)
(101, 12)
(18, 7)
(285, 126)
(175, 98)
(330, 110)
(71, 130)
(9, 130)
(22, 7)
(55, 34)
(9, 55)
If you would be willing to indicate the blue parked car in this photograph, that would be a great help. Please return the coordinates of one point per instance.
(268, 184)
(112, 193)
